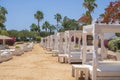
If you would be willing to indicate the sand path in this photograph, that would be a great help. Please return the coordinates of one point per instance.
(35, 65)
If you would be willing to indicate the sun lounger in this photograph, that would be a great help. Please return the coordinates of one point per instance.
(5, 56)
(106, 70)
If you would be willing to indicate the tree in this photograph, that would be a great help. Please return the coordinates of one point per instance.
(39, 16)
(34, 30)
(51, 28)
(33, 27)
(112, 12)
(44, 34)
(25, 35)
(69, 24)
(90, 6)
(2, 26)
(84, 20)
(13, 33)
(4, 32)
(58, 18)
(46, 25)
(3, 13)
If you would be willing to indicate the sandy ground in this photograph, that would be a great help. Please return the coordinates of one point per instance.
(35, 65)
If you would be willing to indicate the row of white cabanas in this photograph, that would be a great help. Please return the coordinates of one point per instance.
(97, 67)
(65, 44)
(7, 54)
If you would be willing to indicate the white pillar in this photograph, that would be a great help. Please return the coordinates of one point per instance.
(95, 53)
(69, 46)
(84, 52)
(103, 49)
(3, 42)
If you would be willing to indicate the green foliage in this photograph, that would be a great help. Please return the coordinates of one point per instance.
(89, 5)
(58, 18)
(3, 13)
(38, 39)
(86, 18)
(114, 44)
(44, 34)
(33, 27)
(23, 35)
(51, 29)
(2, 26)
(46, 25)
(69, 24)
(17, 46)
(76, 46)
(118, 34)
(39, 16)
(13, 33)
(4, 32)
(118, 51)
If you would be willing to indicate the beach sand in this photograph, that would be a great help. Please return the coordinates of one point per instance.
(35, 65)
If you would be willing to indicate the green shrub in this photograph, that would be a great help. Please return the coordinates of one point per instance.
(76, 46)
(38, 39)
(114, 44)
(118, 51)
(17, 46)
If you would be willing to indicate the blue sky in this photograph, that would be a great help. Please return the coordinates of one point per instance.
(21, 12)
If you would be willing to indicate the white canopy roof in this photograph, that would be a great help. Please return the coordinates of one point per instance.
(4, 37)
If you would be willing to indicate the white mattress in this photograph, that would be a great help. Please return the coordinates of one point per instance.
(107, 69)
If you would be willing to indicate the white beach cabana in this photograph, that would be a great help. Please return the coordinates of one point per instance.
(53, 44)
(62, 48)
(61, 39)
(56, 44)
(87, 56)
(72, 53)
(99, 70)
(104, 70)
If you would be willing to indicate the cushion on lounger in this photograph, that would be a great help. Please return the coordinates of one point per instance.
(107, 69)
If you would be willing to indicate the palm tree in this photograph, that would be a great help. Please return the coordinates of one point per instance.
(51, 28)
(58, 18)
(90, 6)
(46, 25)
(39, 16)
(33, 27)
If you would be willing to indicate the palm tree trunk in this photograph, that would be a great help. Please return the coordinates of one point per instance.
(57, 26)
(46, 30)
(39, 27)
(90, 19)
